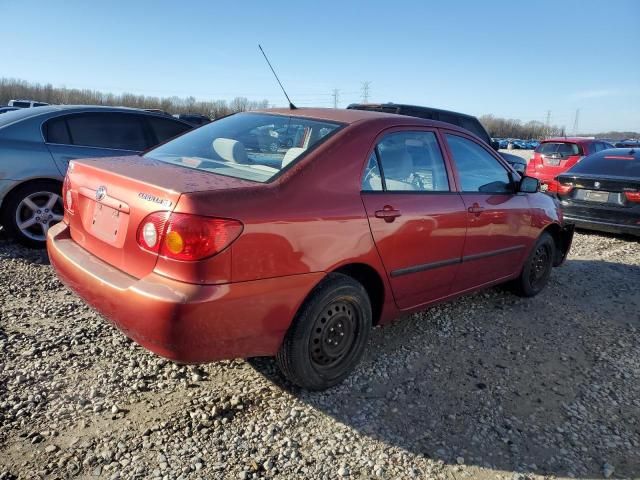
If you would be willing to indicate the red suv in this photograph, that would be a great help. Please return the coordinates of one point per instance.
(557, 155)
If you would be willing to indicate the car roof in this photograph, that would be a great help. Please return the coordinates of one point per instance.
(572, 140)
(357, 116)
(27, 113)
(407, 106)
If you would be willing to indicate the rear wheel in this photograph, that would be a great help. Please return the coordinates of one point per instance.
(328, 336)
(30, 210)
(537, 269)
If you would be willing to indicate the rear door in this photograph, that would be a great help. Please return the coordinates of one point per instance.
(417, 220)
(95, 134)
(498, 219)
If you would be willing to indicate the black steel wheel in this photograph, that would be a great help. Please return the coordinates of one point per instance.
(537, 268)
(328, 335)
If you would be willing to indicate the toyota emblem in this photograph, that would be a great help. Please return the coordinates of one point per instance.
(596, 184)
(101, 192)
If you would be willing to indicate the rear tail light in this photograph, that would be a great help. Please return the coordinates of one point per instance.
(67, 196)
(633, 196)
(182, 236)
(564, 189)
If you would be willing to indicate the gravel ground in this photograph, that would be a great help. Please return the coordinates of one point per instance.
(489, 386)
(526, 154)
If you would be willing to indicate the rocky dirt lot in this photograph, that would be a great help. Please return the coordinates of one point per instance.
(490, 386)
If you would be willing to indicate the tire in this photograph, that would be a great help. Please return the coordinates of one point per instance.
(328, 335)
(30, 210)
(537, 268)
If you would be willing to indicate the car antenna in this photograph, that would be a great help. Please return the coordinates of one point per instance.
(291, 105)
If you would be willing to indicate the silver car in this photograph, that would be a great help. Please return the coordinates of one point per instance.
(36, 145)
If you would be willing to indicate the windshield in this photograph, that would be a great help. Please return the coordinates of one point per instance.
(563, 148)
(251, 146)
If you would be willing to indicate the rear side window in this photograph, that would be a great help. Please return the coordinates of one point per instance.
(478, 170)
(164, 128)
(21, 104)
(410, 161)
(563, 148)
(56, 131)
(610, 162)
(107, 130)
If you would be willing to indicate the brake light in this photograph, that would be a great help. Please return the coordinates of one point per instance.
(633, 196)
(564, 189)
(183, 236)
(67, 197)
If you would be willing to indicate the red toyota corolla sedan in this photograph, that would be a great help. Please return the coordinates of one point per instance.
(219, 244)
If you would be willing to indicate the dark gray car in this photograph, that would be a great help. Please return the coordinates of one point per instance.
(36, 145)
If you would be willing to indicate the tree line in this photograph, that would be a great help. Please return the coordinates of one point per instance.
(14, 89)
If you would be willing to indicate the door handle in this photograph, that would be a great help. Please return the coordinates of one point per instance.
(475, 208)
(388, 213)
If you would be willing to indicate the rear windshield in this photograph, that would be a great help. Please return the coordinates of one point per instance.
(610, 162)
(250, 146)
(563, 148)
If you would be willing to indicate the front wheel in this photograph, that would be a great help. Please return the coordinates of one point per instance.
(537, 268)
(328, 335)
(30, 210)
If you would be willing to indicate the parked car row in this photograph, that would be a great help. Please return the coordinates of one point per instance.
(517, 144)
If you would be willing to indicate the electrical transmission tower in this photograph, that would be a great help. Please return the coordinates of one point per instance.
(548, 124)
(336, 97)
(575, 121)
(365, 92)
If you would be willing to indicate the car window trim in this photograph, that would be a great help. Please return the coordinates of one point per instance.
(501, 161)
(405, 129)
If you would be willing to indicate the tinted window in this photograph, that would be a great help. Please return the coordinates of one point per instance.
(563, 148)
(474, 127)
(478, 170)
(164, 128)
(412, 161)
(55, 131)
(21, 104)
(107, 130)
(245, 145)
(38, 104)
(449, 118)
(610, 162)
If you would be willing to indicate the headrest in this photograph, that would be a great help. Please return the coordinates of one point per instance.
(291, 155)
(230, 150)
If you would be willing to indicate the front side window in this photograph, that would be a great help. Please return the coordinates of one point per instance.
(251, 146)
(410, 161)
(107, 130)
(478, 170)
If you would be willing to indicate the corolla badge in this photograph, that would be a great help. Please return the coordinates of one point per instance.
(101, 192)
(152, 198)
(596, 184)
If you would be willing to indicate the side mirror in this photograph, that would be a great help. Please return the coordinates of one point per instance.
(529, 185)
(495, 144)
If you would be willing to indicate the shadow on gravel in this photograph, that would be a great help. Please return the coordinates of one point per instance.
(549, 385)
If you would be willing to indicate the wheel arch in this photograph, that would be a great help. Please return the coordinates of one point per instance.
(562, 238)
(372, 282)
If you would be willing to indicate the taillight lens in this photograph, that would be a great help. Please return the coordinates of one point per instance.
(564, 189)
(633, 196)
(182, 236)
(67, 196)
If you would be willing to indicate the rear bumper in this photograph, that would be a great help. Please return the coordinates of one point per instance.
(181, 321)
(602, 226)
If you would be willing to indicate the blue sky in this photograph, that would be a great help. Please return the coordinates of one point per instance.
(510, 58)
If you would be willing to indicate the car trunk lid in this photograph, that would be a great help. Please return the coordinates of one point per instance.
(112, 197)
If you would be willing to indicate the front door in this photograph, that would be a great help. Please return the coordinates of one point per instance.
(498, 218)
(417, 220)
